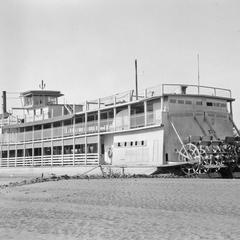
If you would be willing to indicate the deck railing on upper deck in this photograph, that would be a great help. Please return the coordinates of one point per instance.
(105, 125)
(195, 90)
(163, 89)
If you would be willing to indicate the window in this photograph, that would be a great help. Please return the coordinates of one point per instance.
(209, 104)
(188, 102)
(223, 105)
(180, 102)
(92, 148)
(28, 152)
(37, 151)
(199, 103)
(52, 100)
(47, 151)
(80, 148)
(28, 101)
(4, 154)
(12, 153)
(172, 100)
(68, 149)
(57, 150)
(20, 152)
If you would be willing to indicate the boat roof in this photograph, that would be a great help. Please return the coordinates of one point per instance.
(42, 93)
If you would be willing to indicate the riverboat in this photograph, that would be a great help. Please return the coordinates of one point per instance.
(136, 132)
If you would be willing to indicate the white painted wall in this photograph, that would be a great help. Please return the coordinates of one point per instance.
(151, 153)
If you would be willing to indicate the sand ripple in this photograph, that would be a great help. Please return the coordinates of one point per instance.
(122, 209)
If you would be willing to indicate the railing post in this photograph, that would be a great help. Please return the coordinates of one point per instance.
(114, 119)
(129, 116)
(62, 141)
(130, 95)
(85, 138)
(42, 144)
(145, 113)
(145, 93)
(99, 148)
(86, 135)
(99, 116)
(74, 119)
(15, 154)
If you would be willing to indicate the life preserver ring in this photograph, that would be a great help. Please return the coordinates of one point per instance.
(109, 152)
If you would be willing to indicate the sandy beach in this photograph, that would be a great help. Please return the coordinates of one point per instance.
(122, 209)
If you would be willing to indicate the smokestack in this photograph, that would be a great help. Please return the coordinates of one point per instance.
(4, 103)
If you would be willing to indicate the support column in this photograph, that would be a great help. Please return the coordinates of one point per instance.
(86, 135)
(145, 113)
(32, 146)
(99, 137)
(114, 119)
(74, 119)
(42, 144)
(129, 117)
(52, 146)
(62, 141)
(231, 111)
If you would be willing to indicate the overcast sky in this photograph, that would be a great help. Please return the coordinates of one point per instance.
(86, 49)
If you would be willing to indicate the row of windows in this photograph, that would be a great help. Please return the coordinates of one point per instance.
(56, 150)
(214, 104)
(180, 101)
(199, 103)
(130, 144)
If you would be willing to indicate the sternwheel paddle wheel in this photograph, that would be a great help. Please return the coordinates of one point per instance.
(190, 154)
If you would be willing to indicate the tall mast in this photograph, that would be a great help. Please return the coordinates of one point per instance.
(198, 74)
(136, 79)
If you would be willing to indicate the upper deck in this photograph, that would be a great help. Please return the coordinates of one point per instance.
(125, 98)
(157, 91)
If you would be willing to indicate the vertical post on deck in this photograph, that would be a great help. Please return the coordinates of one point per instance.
(145, 113)
(231, 111)
(136, 79)
(4, 103)
(99, 137)
(198, 74)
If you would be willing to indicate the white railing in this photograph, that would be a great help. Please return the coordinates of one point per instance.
(106, 125)
(57, 160)
(47, 133)
(37, 134)
(19, 161)
(79, 128)
(28, 136)
(54, 160)
(80, 159)
(57, 132)
(92, 127)
(195, 90)
(11, 162)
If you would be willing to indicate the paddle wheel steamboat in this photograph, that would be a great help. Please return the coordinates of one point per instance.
(187, 126)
